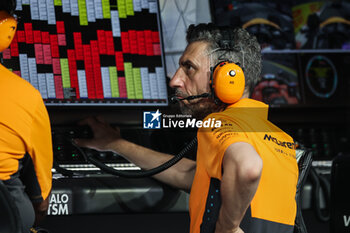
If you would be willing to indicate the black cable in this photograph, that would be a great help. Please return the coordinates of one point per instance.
(320, 183)
(134, 174)
(63, 171)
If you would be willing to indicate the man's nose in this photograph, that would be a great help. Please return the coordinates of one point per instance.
(177, 80)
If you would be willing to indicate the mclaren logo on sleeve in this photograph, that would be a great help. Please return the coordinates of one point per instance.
(289, 145)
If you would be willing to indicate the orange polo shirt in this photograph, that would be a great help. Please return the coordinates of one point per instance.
(24, 128)
(273, 208)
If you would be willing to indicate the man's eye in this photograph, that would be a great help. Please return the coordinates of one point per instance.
(188, 67)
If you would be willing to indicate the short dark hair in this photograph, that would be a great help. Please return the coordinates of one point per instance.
(233, 44)
(8, 5)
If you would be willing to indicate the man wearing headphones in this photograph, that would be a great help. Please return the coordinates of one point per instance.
(25, 135)
(245, 176)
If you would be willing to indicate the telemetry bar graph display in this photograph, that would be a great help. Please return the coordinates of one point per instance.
(90, 52)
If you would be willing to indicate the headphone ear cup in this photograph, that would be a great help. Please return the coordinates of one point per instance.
(8, 26)
(228, 82)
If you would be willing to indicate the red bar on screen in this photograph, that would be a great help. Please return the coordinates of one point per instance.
(141, 44)
(37, 37)
(125, 42)
(28, 28)
(62, 40)
(89, 72)
(47, 54)
(39, 53)
(21, 37)
(109, 42)
(58, 87)
(122, 87)
(102, 43)
(155, 37)
(54, 46)
(56, 65)
(119, 61)
(60, 27)
(14, 47)
(73, 71)
(149, 41)
(45, 36)
(6, 54)
(97, 69)
(156, 49)
(133, 42)
(79, 53)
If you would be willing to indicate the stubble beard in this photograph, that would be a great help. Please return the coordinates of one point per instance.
(201, 108)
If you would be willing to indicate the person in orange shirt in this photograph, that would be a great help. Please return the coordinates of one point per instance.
(245, 176)
(25, 135)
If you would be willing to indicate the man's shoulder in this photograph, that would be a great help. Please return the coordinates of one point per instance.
(17, 86)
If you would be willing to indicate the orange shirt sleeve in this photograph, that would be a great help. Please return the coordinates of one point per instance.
(41, 148)
(214, 142)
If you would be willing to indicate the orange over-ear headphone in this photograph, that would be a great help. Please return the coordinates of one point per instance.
(227, 82)
(8, 26)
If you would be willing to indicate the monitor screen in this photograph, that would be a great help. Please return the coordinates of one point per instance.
(321, 24)
(279, 84)
(90, 52)
(270, 21)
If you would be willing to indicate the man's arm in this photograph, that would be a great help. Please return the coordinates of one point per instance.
(36, 173)
(107, 138)
(242, 168)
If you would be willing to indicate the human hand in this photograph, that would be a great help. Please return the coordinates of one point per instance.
(104, 135)
(40, 210)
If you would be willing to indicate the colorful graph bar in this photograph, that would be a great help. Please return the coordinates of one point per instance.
(34, 9)
(82, 84)
(129, 7)
(137, 83)
(144, 4)
(42, 86)
(98, 9)
(106, 9)
(106, 82)
(146, 89)
(161, 83)
(50, 83)
(153, 85)
(66, 6)
(137, 5)
(56, 66)
(113, 75)
(74, 7)
(90, 11)
(73, 71)
(65, 73)
(33, 74)
(58, 87)
(129, 79)
(82, 13)
(122, 9)
(58, 2)
(122, 87)
(115, 23)
(23, 62)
